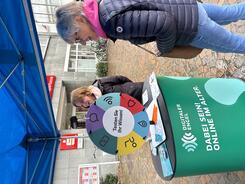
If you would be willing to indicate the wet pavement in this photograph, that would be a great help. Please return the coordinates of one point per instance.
(133, 62)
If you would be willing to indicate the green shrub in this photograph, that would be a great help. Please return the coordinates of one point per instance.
(101, 69)
(101, 56)
(100, 48)
(109, 179)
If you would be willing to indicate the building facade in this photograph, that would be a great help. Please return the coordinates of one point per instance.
(68, 67)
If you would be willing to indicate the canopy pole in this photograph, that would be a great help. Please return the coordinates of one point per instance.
(20, 57)
(36, 139)
(5, 80)
(11, 39)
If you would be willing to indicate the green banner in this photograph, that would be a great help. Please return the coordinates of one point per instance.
(208, 123)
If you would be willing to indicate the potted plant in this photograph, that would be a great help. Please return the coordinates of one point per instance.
(101, 69)
(109, 179)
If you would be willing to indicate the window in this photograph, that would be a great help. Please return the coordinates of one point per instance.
(81, 116)
(44, 15)
(79, 58)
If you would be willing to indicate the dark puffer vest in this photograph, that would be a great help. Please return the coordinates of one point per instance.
(120, 84)
(168, 22)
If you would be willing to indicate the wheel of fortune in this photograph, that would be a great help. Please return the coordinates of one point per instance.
(117, 123)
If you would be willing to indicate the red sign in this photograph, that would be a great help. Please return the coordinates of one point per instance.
(68, 143)
(75, 142)
(51, 80)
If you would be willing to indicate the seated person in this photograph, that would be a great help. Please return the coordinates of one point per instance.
(85, 96)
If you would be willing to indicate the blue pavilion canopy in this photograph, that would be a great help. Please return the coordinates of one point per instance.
(29, 136)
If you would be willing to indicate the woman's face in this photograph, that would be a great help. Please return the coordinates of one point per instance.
(86, 101)
(85, 32)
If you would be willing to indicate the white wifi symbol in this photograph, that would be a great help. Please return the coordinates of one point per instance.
(189, 142)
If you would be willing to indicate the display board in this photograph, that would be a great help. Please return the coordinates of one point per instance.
(88, 174)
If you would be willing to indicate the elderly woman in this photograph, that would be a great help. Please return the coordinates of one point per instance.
(85, 96)
(177, 27)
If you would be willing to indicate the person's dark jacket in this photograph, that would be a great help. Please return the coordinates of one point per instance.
(169, 23)
(119, 84)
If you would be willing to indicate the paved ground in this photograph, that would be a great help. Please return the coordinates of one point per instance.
(126, 59)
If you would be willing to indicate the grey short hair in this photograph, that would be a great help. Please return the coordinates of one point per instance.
(65, 20)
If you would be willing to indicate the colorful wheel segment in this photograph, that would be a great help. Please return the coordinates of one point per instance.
(133, 105)
(117, 123)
